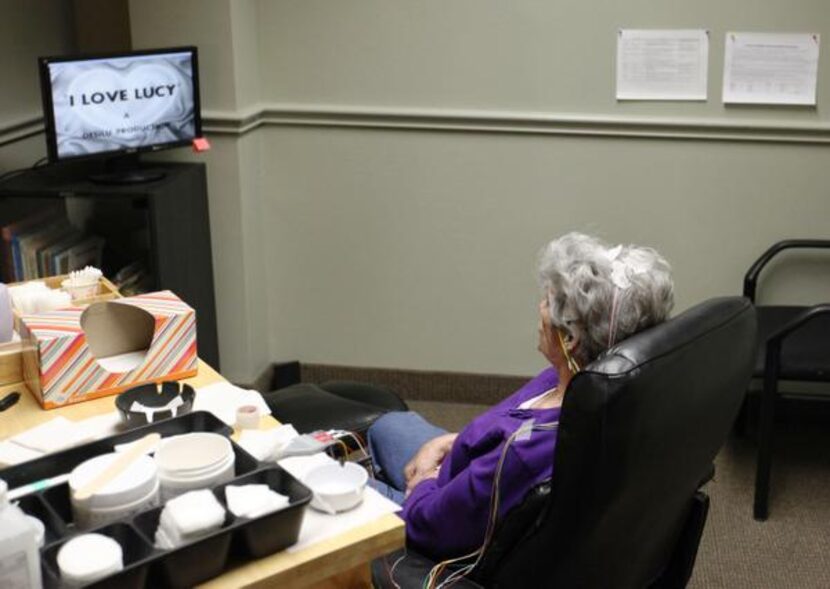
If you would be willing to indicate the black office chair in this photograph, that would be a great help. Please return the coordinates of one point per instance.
(794, 345)
(640, 428)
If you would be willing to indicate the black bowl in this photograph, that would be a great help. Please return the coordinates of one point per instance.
(152, 396)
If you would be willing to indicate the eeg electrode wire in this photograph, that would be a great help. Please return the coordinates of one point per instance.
(435, 572)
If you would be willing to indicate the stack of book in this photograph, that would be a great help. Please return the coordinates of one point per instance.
(45, 244)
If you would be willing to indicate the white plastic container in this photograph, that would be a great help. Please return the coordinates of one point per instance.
(40, 530)
(19, 554)
(336, 488)
(193, 461)
(135, 489)
(81, 289)
(89, 557)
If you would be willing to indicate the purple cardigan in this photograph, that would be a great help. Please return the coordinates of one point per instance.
(447, 516)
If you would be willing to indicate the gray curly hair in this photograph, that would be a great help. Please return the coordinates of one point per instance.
(602, 294)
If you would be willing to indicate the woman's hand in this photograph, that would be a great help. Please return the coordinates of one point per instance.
(425, 463)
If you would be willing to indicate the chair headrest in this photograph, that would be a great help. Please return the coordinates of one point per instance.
(697, 323)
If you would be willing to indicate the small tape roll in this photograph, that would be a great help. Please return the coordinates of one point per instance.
(247, 417)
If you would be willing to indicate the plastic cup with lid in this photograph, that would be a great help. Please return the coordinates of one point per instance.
(134, 489)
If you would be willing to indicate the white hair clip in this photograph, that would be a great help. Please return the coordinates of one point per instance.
(621, 271)
(613, 253)
(619, 275)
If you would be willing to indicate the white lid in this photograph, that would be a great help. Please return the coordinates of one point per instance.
(4, 490)
(204, 474)
(133, 483)
(192, 452)
(89, 557)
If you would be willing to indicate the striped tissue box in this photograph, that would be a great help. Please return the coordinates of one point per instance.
(81, 353)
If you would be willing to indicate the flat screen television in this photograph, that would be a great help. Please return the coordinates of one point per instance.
(109, 106)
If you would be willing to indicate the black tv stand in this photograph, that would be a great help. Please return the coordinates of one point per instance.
(164, 223)
(126, 169)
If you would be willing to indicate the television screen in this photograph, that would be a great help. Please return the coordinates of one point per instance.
(126, 103)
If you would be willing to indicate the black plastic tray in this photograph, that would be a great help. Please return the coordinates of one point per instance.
(145, 565)
(62, 462)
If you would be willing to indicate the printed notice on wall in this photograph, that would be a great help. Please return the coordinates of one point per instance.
(662, 64)
(770, 68)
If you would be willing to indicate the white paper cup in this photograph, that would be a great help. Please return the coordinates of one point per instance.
(82, 290)
(247, 417)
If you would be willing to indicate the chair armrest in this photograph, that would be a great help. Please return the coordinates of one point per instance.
(805, 316)
(773, 356)
(751, 277)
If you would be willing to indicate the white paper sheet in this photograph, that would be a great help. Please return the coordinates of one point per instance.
(265, 444)
(122, 362)
(658, 64)
(771, 68)
(101, 426)
(222, 399)
(56, 434)
(11, 454)
(318, 526)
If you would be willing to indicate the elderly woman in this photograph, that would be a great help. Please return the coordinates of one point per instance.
(592, 296)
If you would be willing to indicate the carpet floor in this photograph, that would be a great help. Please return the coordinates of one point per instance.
(790, 550)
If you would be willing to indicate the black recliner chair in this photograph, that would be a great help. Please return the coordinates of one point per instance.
(640, 428)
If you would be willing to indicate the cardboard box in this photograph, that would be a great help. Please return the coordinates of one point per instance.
(11, 353)
(82, 353)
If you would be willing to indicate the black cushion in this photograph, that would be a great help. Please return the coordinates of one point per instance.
(369, 394)
(805, 353)
(310, 407)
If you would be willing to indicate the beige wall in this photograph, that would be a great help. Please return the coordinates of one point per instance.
(405, 248)
(225, 33)
(527, 55)
(205, 23)
(369, 242)
(28, 30)
(416, 249)
(386, 208)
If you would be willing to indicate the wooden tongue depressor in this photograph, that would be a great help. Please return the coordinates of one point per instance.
(117, 466)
